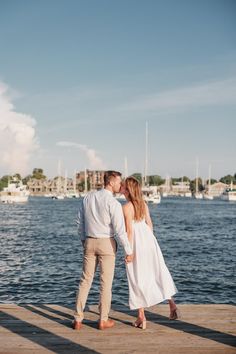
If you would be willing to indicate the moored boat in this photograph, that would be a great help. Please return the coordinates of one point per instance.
(229, 194)
(15, 192)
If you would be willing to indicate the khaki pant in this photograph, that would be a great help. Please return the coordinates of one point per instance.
(100, 251)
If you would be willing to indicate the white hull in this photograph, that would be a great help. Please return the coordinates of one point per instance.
(198, 196)
(229, 196)
(208, 197)
(59, 197)
(9, 199)
(188, 195)
(16, 192)
(155, 199)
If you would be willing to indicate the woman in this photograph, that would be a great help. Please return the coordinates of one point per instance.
(148, 276)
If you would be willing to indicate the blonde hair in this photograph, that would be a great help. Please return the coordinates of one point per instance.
(135, 196)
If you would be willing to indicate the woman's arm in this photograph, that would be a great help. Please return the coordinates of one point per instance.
(148, 219)
(127, 210)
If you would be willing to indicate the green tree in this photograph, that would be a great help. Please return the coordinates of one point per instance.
(81, 185)
(138, 176)
(17, 176)
(180, 179)
(212, 181)
(227, 179)
(193, 185)
(26, 179)
(38, 173)
(4, 181)
(155, 180)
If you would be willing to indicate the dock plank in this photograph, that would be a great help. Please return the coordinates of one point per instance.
(46, 328)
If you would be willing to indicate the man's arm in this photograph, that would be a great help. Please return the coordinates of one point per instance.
(118, 223)
(81, 223)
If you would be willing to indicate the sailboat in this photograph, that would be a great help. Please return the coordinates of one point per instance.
(59, 195)
(83, 194)
(121, 196)
(208, 195)
(166, 191)
(150, 193)
(197, 194)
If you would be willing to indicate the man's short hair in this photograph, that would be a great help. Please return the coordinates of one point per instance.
(108, 175)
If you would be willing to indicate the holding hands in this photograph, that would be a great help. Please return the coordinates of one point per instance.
(129, 258)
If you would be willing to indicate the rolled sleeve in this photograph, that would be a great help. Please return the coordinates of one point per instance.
(118, 223)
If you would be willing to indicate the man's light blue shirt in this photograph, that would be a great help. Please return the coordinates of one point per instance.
(101, 216)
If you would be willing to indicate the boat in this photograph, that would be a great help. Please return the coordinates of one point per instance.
(229, 194)
(150, 194)
(208, 194)
(154, 199)
(188, 195)
(59, 195)
(197, 194)
(15, 192)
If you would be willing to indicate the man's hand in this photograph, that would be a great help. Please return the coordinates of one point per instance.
(129, 258)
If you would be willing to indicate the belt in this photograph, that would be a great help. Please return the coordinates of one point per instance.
(99, 238)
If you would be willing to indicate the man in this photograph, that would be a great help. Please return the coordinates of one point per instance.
(100, 218)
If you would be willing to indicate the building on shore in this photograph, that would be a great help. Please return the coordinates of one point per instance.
(216, 189)
(94, 178)
(57, 185)
(178, 188)
(62, 185)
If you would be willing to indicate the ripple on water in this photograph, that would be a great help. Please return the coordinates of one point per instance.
(41, 256)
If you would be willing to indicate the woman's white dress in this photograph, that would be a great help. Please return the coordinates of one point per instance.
(149, 279)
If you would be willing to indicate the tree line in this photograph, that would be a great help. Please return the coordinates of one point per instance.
(153, 180)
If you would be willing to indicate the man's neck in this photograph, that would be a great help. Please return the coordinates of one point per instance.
(109, 188)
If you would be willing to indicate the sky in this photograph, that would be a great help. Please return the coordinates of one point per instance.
(80, 79)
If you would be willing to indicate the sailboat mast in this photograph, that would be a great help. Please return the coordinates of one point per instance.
(126, 167)
(197, 175)
(59, 178)
(85, 181)
(209, 178)
(74, 182)
(65, 183)
(146, 156)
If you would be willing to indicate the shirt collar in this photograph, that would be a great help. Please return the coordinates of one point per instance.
(107, 191)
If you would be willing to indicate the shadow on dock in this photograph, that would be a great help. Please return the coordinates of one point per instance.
(179, 325)
(38, 335)
(49, 326)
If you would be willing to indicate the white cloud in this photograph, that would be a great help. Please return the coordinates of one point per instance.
(95, 162)
(17, 136)
(207, 94)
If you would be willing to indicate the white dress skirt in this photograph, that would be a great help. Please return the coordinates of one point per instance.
(149, 279)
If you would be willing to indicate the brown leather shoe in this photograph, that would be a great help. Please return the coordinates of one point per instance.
(76, 325)
(105, 324)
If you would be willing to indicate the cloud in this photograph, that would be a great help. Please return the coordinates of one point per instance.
(17, 136)
(207, 94)
(95, 162)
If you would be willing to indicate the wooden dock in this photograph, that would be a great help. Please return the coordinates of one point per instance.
(45, 328)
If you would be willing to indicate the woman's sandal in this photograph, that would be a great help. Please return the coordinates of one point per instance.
(175, 314)
(140, 324)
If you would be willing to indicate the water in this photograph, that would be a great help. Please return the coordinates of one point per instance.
(41, 255)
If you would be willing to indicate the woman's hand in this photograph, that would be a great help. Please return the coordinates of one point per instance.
(129, 258)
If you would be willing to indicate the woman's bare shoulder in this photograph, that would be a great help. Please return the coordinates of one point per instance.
(128, 207)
